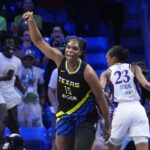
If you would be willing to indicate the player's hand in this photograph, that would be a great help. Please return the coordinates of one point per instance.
(28, 15)
(106, 133)
(9, 75)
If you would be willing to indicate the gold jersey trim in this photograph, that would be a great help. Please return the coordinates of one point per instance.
(73, 72)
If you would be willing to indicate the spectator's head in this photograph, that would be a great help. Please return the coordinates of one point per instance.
(28, 59)
(57, 35)
(28, 5)
(9, 47)
(26, 36)
(116, 54)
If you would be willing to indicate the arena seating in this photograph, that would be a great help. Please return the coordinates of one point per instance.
(35, 138)
(96, 53)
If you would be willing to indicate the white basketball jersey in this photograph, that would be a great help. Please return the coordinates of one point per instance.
(122, 80)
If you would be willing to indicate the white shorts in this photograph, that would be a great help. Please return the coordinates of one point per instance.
(10, 96)
(129, 119)
(99, 130)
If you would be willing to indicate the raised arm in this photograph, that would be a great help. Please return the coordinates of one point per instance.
(37, 39)
(140, 77)
(94, 84)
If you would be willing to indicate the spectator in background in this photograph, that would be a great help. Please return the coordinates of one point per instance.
(52, 89)
(26, 44)
(3, 24)
(52, 96)
(19, 24)
(10, 8)
(3, 29)
(56, 40)
(29, 111)
(10, 67)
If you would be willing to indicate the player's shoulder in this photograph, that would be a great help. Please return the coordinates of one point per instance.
(88, 69)
(17, 59)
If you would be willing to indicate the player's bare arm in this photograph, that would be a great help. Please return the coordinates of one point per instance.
(93, 82)
(104, 78)
(37, 39)
(140, 77)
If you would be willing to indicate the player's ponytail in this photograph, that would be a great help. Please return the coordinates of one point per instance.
(120, 53)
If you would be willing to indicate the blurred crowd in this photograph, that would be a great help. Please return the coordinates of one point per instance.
(81, 18)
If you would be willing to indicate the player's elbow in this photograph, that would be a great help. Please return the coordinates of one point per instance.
(147, 86)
